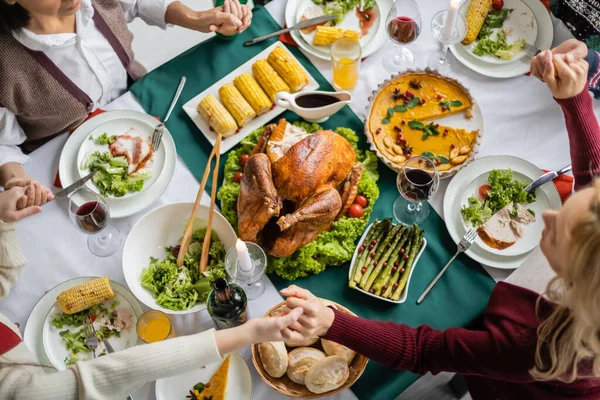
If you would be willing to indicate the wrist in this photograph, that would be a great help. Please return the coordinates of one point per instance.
(181, 15)
(11, 170)
(328, 318)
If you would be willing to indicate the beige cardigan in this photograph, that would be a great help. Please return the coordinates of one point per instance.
(114, 376)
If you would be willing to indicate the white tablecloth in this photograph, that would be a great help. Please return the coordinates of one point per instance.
(521, 120)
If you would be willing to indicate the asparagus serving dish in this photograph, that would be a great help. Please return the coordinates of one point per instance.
(384, 260)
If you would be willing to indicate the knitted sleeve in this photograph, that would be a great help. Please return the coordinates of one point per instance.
(11, 258)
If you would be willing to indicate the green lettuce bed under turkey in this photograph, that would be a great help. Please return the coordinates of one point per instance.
(331, 248)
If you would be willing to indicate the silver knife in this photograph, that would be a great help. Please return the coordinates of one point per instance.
(110, 350)
(71, 188)
(299, 25)
(547, 177)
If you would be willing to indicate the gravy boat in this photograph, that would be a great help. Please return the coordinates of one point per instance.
(313, 114)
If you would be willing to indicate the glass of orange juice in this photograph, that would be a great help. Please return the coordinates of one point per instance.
(154, 326)
(345, 61)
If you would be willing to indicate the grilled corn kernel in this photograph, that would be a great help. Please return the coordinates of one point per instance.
(269, 79)
(84, 296)
(288, 68)
(350, 34)
(236, 104)
(252, 92)
(326, 35)
(478, 10)
(217, 116)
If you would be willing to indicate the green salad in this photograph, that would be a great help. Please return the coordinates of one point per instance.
(74, 340)
(182, 288)
(342, 7)
(497, 47)
(112, 176)
(331, 248)
(502, 190)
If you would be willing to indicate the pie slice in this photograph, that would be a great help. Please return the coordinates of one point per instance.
(216, 388)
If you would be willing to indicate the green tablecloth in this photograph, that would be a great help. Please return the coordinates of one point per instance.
(457, 300)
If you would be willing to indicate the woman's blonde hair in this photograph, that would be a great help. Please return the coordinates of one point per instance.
(568, 346)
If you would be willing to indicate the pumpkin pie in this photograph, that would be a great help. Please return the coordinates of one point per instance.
(216, 388)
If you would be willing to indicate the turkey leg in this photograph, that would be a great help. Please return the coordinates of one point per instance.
(349, 188)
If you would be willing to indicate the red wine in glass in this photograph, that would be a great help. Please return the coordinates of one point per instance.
(417, 185)
(91, 216)
(403, 30)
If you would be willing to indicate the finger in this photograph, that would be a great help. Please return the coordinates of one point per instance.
(296, 291)
(291, 336)
(22, 202)
(294, 302)
(213, 28)
(26, 212)
(50, 195)
(535, 68)
(224, 18)
(44, 196)
(38, 194)
(227, 6)
(240, 9)
(30, 193)
(549, 76)
(563, 70)
(290, 318)
(578, 51)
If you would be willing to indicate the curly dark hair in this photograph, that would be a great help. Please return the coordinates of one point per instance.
(12, 18)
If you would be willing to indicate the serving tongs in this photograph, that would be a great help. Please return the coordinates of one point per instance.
(187, 237)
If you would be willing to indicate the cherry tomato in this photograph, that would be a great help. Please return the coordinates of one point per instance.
(355, 211)
(483, 191)
(243, 159)
(361, 200)
(497, 4)
(238, 177)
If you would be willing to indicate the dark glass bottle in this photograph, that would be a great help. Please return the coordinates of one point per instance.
(227, 304)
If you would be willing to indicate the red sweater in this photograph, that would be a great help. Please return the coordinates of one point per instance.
(496, 359)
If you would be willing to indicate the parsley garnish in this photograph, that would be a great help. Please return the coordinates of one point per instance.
(450, 104)
(400, 108)
(434, 158)
(428, 130)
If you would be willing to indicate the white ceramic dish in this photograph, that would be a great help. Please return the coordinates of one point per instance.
(520, 24)
(160, 228)
(119, 207)
(372, 42)
(465, 178)
(119, 127)
(517, 68)
(55, 348)
(404, 293)
(532, 232)
(239, 384)
(227, 143)
(34, 327)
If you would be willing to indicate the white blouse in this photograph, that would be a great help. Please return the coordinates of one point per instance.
(86, 57)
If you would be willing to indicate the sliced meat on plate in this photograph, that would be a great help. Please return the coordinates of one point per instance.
(135, 149)
(503, 230)
(523, 215)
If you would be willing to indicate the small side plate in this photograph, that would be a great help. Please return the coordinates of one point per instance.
(405, 290)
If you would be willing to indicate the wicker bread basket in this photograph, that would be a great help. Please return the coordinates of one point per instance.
(285, 386)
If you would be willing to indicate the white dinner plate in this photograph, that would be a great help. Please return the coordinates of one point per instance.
(372, 42)
(166, 226)
(520, 24)
(34, 327)
(191, 107)
(239, 383)
(55, 348)
(119, 127)
(545, 34)
(119, 207)
(469, 178)
(350, 21)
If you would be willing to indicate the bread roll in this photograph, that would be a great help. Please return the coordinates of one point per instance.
(336, 349)
(327, 374)
(303, 343)
(274, 358)
(300, 361)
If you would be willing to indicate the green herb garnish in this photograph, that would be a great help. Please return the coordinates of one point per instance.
(450, 104)
(400, 108)
(428, 130)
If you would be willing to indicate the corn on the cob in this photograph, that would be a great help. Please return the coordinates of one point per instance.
(84, 296)
(252, 92)
(288, 68)
(478, 10)
(326, 35)
(350, 34)
(269, 79)
(236, 104)
(217, 116)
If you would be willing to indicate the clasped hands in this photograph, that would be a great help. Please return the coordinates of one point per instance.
(22, 198)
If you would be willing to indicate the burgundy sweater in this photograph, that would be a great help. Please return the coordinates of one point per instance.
(496, 359)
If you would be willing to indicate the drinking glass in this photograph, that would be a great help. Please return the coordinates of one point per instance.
(345, 62)
(154, 326)
(438, 59)
(90, 214)
(417, 182)
(403, 26)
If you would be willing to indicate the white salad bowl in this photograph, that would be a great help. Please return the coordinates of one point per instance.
(157, 230)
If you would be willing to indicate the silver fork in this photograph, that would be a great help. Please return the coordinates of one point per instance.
(91, 340)
(160, 128)
(531, 50)
(463, 246)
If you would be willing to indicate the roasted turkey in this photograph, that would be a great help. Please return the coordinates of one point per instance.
(294, 186)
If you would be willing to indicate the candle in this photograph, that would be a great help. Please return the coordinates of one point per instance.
(244, 260)
(450, 23)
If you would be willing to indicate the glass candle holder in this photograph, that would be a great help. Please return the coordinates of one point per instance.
(251, 281)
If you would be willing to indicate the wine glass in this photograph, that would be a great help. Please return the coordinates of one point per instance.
(417, 182)
(90, 214)
(403, 27)
(446, 35)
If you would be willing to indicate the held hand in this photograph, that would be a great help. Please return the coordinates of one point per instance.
(573, 49)
(317, 317)
(215, 20)
(240, 11)
(273, 329)
(565, 79)
(13, 204)
(37, 195)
